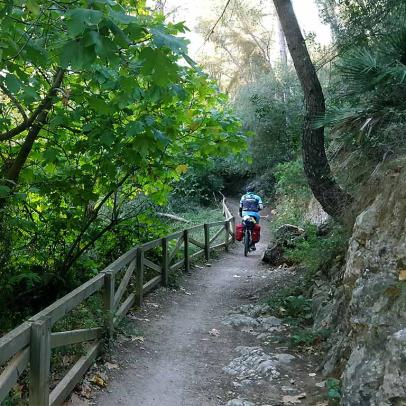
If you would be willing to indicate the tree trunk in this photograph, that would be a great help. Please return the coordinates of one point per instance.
(282, 46)
(316, 167)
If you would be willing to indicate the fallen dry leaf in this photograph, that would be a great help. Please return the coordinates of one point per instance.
(98, 380)
(293, 400)
(214, 332)
(402, 275)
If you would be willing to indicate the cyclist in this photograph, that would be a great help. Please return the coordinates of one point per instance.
(251, 205)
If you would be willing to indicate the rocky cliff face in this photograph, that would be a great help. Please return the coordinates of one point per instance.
(365, 301)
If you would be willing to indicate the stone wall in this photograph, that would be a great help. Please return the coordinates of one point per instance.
(365, 301)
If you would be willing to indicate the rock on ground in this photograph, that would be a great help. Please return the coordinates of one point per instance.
(251, 365)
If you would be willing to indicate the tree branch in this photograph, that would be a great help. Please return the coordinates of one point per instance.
(14, 171)
(70, 254)
(43, 106)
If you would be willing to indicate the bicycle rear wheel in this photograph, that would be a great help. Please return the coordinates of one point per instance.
(247, 242)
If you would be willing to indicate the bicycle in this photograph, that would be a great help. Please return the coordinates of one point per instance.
(249, 224)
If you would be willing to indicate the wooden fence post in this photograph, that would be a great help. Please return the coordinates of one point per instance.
(109, 303)
(226, 228)
(139, 284)
(165, 262)
(206, 242)
(233, 229)
(186, 249)
(40, 362)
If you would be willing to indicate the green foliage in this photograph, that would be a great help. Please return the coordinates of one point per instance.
(290, 303)
(17, 396)
(270, 107)
(333, 390)
(200, 215)
(314, 250)
(202, 182)
(195, 187)
(98, 118)
(368, 111)
(308, 337)
(366, 95)
(290, 179)
(355, 23)
(315, 253)
(88, 314)
(292, 193)
(292, 306)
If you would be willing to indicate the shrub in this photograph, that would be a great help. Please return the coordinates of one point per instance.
(292, 193)
(316, 251)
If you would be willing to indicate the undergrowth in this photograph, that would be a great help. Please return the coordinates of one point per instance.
(314, 253)
(294, 308)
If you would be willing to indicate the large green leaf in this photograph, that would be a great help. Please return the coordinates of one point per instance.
(159, 66)
(162, 39)
(81, 18)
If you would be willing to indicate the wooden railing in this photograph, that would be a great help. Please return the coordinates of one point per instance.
(123, 285)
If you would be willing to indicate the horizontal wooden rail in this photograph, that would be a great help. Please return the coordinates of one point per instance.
(174, 235)
(63, 338)
(31, 343)
(122, 261)
(14, 341)
(152, 244)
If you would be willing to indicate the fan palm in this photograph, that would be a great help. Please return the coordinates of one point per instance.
(373, 96)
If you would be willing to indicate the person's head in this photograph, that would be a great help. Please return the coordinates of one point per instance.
(249, 190)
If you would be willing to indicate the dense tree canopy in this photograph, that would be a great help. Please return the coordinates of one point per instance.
(98, 115)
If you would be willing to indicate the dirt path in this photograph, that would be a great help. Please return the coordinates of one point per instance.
(200, 348)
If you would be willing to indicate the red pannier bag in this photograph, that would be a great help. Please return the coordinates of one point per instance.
(256, 233)
(239, 232)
